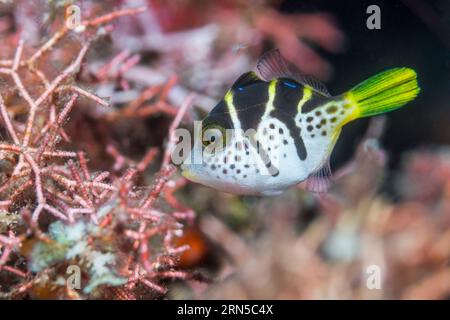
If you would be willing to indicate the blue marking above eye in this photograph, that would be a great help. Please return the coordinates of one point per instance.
(240, 88)
(289, 84)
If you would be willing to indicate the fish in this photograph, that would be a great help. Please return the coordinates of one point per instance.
(276, 129)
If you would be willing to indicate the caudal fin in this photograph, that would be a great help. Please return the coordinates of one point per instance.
(384, 92)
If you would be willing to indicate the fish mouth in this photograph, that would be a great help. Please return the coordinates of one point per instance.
(187, 173)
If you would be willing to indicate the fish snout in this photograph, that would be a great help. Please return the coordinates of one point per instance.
(189, 172)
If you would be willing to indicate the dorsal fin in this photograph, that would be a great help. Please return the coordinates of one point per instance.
(272, 65)
(246, 79)
(319, 181)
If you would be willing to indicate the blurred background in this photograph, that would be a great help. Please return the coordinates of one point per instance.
(389, 205)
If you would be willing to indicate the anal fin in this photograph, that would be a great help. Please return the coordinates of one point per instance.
(320, 180)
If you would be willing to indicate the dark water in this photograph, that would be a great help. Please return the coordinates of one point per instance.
(414, 34)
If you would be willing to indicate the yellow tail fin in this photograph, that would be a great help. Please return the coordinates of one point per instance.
(384, 92)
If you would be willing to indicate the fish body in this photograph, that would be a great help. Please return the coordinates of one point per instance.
(273, 131)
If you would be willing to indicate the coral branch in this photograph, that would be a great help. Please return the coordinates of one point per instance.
(64, 209)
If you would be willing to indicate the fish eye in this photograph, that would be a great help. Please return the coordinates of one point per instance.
(213, 136)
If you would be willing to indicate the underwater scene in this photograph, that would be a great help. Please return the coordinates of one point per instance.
(227, 149)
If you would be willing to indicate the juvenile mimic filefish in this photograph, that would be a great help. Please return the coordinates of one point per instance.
(275, 130)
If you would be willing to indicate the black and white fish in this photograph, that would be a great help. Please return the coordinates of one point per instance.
(275, 130)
